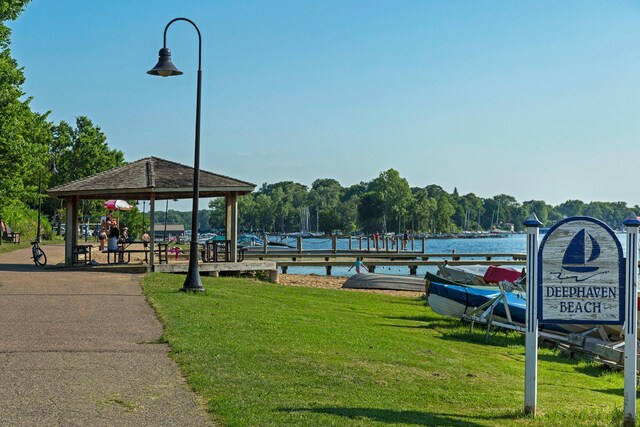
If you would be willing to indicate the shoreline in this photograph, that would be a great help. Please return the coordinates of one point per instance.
(333, 282)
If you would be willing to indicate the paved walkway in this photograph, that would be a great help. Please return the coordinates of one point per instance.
(80, 348)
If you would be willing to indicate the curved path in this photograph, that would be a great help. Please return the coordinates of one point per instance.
(81, 348)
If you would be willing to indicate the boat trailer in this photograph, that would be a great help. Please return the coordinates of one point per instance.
(594, 343)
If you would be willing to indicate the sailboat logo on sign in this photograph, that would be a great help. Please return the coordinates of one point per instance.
(578, 260)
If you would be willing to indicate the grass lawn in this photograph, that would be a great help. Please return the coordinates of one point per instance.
(9, 247)
(272, 355)
(25, 243)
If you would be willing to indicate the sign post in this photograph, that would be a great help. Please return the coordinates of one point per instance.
(531, 339)
(631, 324)
(580, 276)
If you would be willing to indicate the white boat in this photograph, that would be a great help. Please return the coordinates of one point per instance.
(456, 301)
(385, 281)
(252, 241)
(479, 275)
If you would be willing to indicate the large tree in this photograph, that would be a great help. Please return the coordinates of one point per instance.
(24, 134)
(395, 195)
(324, 200)
(82, 151)
(79, 152)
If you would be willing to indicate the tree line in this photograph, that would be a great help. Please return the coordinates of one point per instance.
(389, 204)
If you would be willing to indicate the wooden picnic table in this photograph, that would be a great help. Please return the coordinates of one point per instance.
(123, 249)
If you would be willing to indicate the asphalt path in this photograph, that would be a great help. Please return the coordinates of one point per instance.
(82, 348)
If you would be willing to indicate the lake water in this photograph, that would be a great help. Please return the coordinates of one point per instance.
(514, 243)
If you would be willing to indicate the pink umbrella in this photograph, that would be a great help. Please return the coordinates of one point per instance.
(117, 205)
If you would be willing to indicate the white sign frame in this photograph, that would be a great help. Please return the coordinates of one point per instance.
(581, 278)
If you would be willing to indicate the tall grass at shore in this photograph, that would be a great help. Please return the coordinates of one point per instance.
(271, 355)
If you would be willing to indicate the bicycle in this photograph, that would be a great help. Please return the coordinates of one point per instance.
(39, 256)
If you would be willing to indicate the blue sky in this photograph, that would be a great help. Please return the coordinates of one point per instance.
(539, 100)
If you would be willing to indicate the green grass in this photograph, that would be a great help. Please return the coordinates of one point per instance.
(9, 247)
(264, 354)
(24, 243)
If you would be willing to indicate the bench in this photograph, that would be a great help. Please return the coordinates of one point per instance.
(123, 256)
(220, 251)
(163, 253)
(81, 250)
(11, 236)
(117, 256)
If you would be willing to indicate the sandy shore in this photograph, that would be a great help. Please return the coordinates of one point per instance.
(331, 282)
(308, 280)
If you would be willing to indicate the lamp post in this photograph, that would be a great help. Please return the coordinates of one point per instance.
(165, 68)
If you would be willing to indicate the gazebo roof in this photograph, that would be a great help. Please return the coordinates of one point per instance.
(140, 179)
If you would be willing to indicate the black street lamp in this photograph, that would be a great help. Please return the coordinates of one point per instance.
(165, 68)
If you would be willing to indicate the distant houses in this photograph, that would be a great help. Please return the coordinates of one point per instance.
(172, 230)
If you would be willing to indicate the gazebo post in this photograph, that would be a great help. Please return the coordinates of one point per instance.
(69, 235)
(74, 221)
(152, 231)
(231, 224)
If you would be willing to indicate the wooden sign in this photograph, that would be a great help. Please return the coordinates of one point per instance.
(581, 275)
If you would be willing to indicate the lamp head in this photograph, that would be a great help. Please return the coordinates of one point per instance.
(164, 67)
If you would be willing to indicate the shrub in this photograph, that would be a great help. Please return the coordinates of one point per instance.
(24, 220)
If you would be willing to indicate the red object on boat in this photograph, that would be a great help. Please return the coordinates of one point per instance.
(495, 274)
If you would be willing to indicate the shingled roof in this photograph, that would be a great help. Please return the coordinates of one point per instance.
(140, 179)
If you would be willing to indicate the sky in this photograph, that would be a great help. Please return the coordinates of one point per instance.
(536, 99)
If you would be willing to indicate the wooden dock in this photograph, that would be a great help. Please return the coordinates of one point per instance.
(216, 268)
(412, 260)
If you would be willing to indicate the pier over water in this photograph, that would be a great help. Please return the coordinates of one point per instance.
(335, 254)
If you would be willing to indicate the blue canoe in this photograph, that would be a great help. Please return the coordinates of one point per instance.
(458, 300)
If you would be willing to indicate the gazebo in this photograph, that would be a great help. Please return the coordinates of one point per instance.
(150, 179)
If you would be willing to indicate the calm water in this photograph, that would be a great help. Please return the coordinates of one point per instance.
(515, 243)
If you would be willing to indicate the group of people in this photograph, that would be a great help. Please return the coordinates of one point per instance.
(404, 242)
(110, 236)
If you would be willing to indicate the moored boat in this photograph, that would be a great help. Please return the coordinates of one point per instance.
(458, 301)
(479, 275)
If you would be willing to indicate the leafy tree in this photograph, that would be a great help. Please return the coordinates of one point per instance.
(545, 213)
(503, 209)
(356, 190)
(324, 199)
(265, 218)
(395, 195)
(217, 213)
(443, 222)
(422, 210)
(571, 208)
(287, 198)
(347, 213)
(371, 212)
(82, 151)
(473, 212)
(24, 134)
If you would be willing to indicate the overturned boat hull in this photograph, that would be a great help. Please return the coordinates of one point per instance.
(385, 282)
